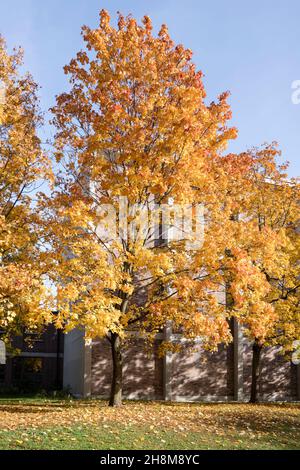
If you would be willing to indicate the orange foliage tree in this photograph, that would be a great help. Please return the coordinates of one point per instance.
(134, 127)
(261, 266)
(271, 240)
(23, 297)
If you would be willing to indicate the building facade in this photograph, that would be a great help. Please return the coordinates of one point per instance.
(224, 375)
(56, 361)
(38, 365)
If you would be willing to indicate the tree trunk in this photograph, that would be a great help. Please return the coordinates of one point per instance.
(116, 385)
(256, 352)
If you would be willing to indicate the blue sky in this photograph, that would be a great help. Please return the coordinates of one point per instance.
(250, 48)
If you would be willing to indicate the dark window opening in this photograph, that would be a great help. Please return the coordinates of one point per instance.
(32, 337)
(27, 373)
(2, 373)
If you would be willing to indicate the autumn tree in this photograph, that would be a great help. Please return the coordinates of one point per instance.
(134, 132)
(22, 166)
(261, 268)
(274, 209)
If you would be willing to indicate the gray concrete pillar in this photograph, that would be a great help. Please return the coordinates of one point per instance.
(238, 366)
(298, 381)
(167, 365)
(77, 364)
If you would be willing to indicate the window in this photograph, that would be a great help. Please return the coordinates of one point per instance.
(32, 337)
(2, 373)
(27, 373)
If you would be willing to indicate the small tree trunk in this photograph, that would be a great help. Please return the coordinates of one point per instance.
(256, 353)
(116, 385)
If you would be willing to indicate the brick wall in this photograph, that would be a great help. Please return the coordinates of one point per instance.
(142, 370)
(202, 374)
(197, 375)
(278, 377)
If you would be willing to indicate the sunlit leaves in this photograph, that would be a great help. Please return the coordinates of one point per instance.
(23, 296)
(133, 124)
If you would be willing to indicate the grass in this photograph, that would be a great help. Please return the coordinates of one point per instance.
(91, 424)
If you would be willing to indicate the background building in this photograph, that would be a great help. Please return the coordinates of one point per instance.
(57, 361)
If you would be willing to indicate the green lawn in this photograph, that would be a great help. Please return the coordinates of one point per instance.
(79, 424)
